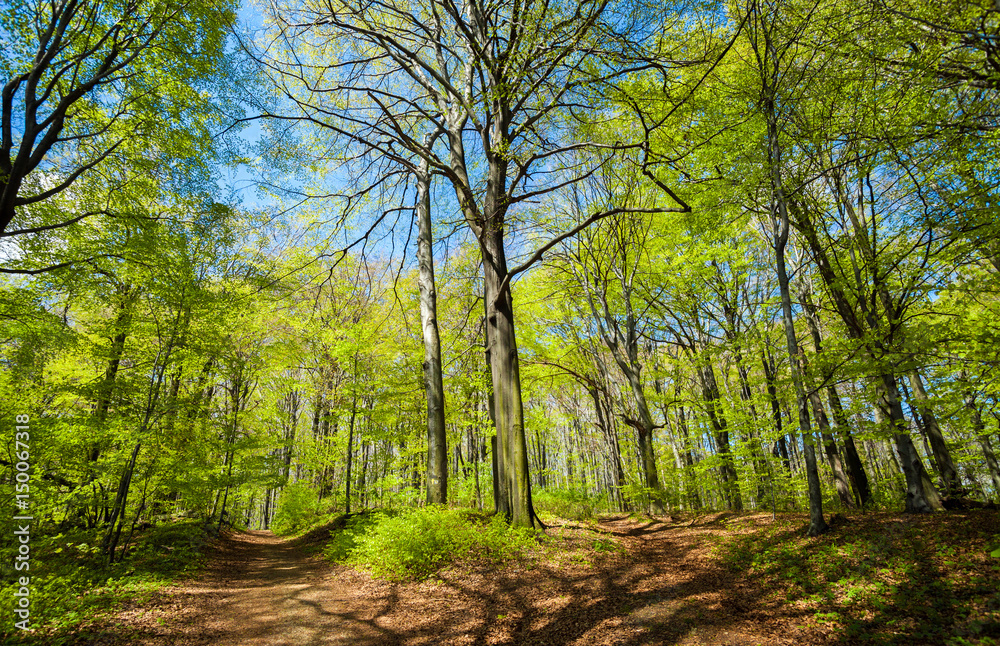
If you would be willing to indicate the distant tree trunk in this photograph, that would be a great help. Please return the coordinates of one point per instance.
(292, 399)
(644, 428)
(691, 482)
(746, 394)
(603, 423)
(863, 323)
(986, 445)
(496, 476)
(855, 469)
(622, 339)
(991, 464)
(437, 439)
(712, 399)
(362, 477)
(127, 296)
(832, 454)
(473, 441)
(110, 542)
(350, 444)
(942, 455)
(117, 514)
(921, 496)
(239, 394)
(772, 396)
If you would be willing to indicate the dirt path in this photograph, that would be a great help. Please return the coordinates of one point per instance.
(261, 591)
(657, 587)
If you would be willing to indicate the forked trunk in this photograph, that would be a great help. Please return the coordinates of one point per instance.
(939, 448)
(921, 496)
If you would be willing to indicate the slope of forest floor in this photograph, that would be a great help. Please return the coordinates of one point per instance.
(718, 579)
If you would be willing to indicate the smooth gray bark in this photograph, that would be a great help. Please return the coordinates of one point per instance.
(780, 223)
(437, 440)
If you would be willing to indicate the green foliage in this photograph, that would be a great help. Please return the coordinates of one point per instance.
(297, 506)
(415, 543)
(344, 540)
(571, 504)
(606, 544)
(70, 582)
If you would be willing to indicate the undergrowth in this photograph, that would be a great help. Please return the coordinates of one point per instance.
(883, 579)
(415, 543)
(70, 583)
(298, 508)
(571, 504)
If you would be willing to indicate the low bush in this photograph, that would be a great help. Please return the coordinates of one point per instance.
(415, 543)
(571, 504)
(297, 507)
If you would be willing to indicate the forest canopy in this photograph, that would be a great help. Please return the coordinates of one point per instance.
(266, 262)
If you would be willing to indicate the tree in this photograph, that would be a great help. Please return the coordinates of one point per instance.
(607, 267)
(503, 83)
(87, 84)
(775, 56)
(437, 439)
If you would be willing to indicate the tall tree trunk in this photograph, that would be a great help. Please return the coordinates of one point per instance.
(488, 225)
(506, 372)
(817, 524)
(780, 224)
(437, 439)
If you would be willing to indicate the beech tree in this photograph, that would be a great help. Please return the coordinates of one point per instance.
(86, 84)
(504, 84)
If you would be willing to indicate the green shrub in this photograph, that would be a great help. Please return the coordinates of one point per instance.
(171, 548)
(343, 541)
(417, 542)
(297, 505)
(572, 504)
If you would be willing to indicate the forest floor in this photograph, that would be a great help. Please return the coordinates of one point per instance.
(719, 579)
